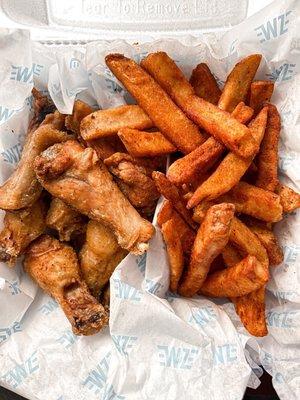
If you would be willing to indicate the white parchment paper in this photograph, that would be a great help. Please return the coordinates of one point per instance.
(158, 346)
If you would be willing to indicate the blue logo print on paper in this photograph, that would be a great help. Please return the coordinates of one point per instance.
(139, 57)
(74, 63)
(177, 357)
(286, 160)
(126, 292)
(289, 295)
(171, 296)
(48, 307)
(141, 263)
(225, 354)
(14, 288)
(273, 28)
(291, 254)
(283, 73)
(5, 113)
(203, 316)
(20, 372)
(5, 333)
(110, 394)
(123, 343)
(13, 154)
(152, 286)
(20, 73)
(97, 377)
(282, 319)
(111, 84)
(67, 339)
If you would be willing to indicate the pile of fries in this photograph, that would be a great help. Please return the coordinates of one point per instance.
(87, 185)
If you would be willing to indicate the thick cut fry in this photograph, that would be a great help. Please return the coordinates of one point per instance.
(231, 169)
(170, 192)
(185, 233)
(251, 310)
(22, 189)
(174, 251)
(242, 113)
(238, 82)
(80, 110)
(80, 179)
(289, 199)
(106, 146)
(215, 121)
(211, 238)
(267, 239)
(247, 242)
(205, 84)
(145, 144)
(21, 228)
(54, 266)
(198, 161)
(260, 92)
(108, 122)
(65, 220)
(168, 118)
(241, 279)
(231, 255)
(259, 203)
(267, 158)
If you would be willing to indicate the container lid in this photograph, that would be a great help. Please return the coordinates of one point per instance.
(109, 19)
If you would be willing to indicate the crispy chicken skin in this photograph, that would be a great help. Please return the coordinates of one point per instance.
(65, 220)
(42, 106)
(80, 179)
(21, 228)
(54, 266)
(134, 181)
(99, 256)
(22, 189)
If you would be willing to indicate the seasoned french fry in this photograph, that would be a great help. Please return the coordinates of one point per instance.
(247, 242)
(165, 213)
(168, 118)
(238, 82)
(289, 199)
(260, 92)
(170, 192)
(267, 239)
(231, 169)
(174, 251)
(80, 110)
(205, 84)
(145, 144)
(242, 113)
(217, 122)
(251, 200)
(231, 255)
(267, 159)
(211, 238)
(108, 122)
(241, 279)
(251, 310)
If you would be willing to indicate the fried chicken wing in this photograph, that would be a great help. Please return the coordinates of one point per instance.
(22, 189)
(54, 266)
(80, 179)
(21, 228)
(42, 106)
(65, 220)
(134, 181)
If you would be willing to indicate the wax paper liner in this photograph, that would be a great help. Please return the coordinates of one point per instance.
(158, 345)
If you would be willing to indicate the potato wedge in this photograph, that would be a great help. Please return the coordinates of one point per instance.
(171, 193)
(241, 279)
(168, 118)
(108, 122)
(212, 237)
(260, 92)
(205, 84)
(238, 82)
(251, 310)
(174, 251)
(231, 169)
(145, 144)
(242, 113)
(289, 199)
(216, 122)
(267, 158)
(80, 110)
